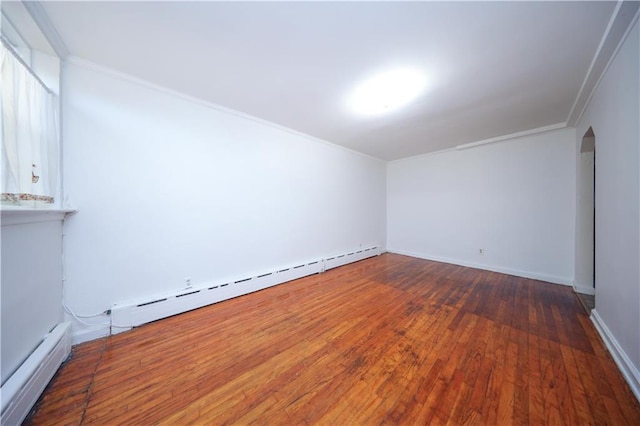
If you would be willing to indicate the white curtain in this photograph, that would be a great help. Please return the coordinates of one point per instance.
(29, 136)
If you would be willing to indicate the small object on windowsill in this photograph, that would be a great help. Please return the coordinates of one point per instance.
(34, 178)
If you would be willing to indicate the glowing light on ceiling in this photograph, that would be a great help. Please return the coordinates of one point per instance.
(387, 91)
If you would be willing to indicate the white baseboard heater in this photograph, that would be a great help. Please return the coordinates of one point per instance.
(22, 390)
(125, 316)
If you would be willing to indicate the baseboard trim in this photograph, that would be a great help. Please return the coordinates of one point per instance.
(90, 333)
(584, 290)
(22, 390)
(126, 315)
(628, 370)
(518, 273)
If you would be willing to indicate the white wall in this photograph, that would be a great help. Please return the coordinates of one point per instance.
(31, 295)
(614, 115)
(169, 188)
(514, 199)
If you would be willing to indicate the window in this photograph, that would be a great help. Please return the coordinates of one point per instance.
(30, 134)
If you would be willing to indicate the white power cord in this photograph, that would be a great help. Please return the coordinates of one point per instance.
(64, 291)
(79, 317)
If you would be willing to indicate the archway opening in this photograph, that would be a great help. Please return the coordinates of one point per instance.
(586, 220)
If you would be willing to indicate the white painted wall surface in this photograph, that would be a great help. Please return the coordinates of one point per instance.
(168, 188)
(614, 114)
(31, 296)
(514, 199)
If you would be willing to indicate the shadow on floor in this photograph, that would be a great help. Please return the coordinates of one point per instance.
(588, 301)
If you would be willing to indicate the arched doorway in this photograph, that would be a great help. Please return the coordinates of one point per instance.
(586, 220)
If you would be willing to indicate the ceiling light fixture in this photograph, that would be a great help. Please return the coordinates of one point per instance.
(387, 91)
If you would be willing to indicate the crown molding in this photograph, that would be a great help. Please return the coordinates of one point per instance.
(43, 22)
(622, 20)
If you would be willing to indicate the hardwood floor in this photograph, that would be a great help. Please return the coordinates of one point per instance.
(388, 340)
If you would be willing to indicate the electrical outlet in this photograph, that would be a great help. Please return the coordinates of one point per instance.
(187, 281)
(481, 251)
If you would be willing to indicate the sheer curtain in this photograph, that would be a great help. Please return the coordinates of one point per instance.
(29, 136)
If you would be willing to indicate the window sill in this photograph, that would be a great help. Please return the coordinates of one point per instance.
(19, 216)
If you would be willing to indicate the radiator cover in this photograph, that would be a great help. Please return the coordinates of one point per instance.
(127, 315)
(22, 390)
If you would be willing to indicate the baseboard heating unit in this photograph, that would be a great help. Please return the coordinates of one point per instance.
(125, 316)
(22, 390)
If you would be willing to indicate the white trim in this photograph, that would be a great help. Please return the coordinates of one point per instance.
(516, 135)
(503, 270)
(628, 370)
(47, 28)
(584, 290)
(608, 65)
(509, 137)
(90, 333)
(152, 86)
(22, 390)
(19, 216)
(426, 154)
(129, 314)
(595, 59)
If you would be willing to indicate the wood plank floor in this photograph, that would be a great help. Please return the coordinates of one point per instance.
(388, 340)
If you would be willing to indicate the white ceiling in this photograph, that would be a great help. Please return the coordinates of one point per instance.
(497, 68)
